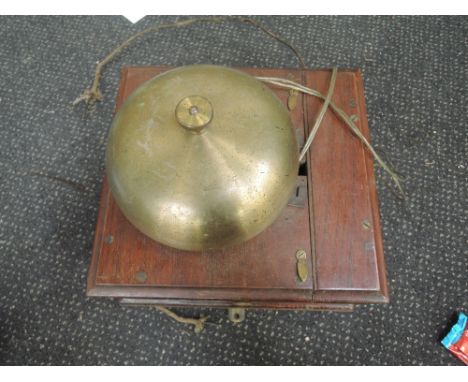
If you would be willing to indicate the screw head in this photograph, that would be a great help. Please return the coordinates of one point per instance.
(366, 224)
(141, 277)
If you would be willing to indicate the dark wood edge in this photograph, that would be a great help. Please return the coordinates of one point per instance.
(131, 291)
(376, 226)
(278, 305)
(98, 238)
(310, 196)
(103, 205)
(351, 296)
(122, 88)
(167, 67)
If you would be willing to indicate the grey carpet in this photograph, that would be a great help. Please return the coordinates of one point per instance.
(415, 71)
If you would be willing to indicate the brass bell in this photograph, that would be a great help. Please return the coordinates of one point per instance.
(202, 157)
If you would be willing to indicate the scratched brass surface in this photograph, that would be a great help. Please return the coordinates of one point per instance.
(207, 184)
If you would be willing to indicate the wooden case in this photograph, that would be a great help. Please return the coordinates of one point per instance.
(334, 218)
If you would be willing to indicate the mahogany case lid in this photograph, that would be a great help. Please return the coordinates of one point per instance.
(338, 225)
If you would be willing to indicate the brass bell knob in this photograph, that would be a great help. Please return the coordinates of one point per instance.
(194, 113)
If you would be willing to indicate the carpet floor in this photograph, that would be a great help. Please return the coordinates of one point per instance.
(416, 83)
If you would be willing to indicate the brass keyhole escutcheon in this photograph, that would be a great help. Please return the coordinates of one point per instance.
(302, 270)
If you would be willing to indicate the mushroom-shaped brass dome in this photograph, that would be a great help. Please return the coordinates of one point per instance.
(202, 157)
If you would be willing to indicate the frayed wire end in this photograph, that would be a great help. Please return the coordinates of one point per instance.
(89, 96)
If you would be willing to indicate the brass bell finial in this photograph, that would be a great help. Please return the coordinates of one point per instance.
(194, 113)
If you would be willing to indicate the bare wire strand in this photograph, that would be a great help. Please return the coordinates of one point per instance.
(285, 83)
(93, 94)
(319, 119)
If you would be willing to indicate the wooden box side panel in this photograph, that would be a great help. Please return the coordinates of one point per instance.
(348, 259)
